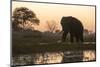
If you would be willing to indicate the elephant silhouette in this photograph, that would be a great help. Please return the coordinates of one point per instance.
(74, 27)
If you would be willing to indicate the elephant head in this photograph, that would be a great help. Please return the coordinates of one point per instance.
(74, 27)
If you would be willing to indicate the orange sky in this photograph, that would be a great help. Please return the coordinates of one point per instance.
(45, 12)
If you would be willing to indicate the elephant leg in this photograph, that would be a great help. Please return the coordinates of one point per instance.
(64, 36)
(77, 38)
(71, 38)
(81, 38)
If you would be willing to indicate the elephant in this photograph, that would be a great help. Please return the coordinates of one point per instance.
(74, 27)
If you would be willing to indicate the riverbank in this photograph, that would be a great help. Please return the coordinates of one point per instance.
(50, 47)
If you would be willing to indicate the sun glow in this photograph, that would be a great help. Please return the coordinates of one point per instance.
(45, 12)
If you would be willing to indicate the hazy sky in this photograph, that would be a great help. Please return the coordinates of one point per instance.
(45, 12)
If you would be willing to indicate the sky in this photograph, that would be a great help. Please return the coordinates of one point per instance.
(48, 12)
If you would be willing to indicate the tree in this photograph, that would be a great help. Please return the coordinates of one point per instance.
(86, 32)
(22, 16)
(58, 31)
(51, 26)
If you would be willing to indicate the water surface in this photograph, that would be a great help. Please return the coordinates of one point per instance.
(55, 57)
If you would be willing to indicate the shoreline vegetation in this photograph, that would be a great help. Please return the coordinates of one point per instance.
(27, 49)
(37, 42)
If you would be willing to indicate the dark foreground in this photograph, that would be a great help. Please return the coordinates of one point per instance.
(51, 47)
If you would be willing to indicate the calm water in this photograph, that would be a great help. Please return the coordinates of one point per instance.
(55, 57)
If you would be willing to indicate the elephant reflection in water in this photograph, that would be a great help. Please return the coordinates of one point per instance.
(74, 27)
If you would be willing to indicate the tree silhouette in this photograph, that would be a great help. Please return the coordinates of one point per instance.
(51, 26)
(86, 32)
(23, 15)
(57, 31)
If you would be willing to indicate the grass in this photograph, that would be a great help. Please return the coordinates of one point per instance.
(28, 43)
(36, 48)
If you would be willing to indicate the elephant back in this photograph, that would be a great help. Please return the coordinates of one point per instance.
(71, 23)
